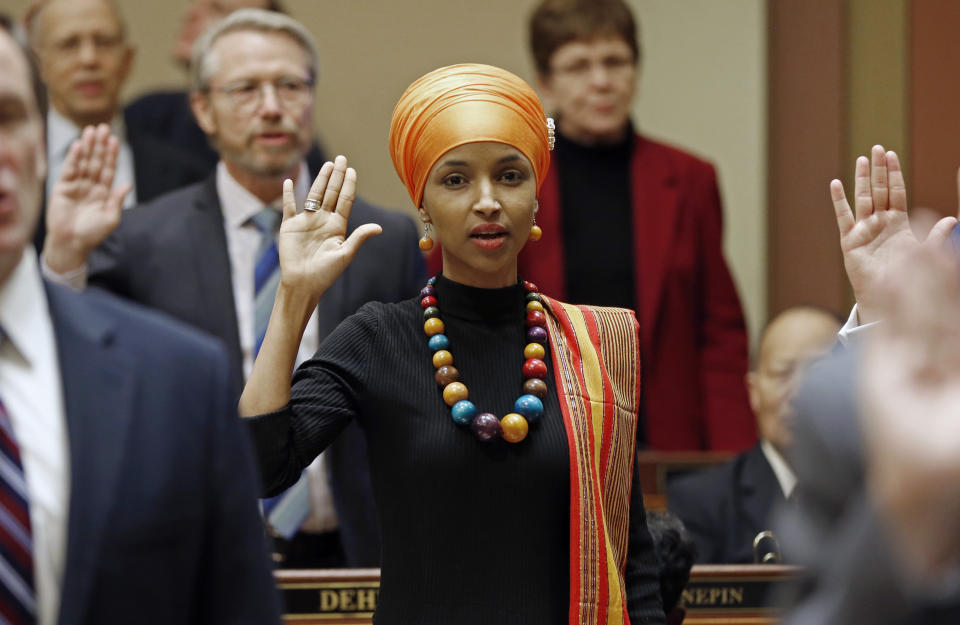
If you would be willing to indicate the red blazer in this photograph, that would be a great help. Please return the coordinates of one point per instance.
(692, 332)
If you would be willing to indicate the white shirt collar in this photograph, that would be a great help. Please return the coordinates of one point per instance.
(61, 132)
(239, 205)
(23, 306)
(785, 475)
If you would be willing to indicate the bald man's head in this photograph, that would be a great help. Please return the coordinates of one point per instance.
(789, 343)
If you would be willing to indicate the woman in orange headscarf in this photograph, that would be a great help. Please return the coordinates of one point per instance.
(504, 475)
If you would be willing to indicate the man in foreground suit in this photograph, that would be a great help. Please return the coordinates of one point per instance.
(138, 478)
(193, 253)
(726, 507)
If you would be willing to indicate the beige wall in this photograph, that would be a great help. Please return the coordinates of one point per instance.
(702, 86)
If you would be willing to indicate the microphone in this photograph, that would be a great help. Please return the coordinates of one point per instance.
(766, 548)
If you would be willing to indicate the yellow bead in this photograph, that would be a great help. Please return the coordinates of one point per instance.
(534, 350)
(514, 428)
(426, 244)
(442, 357)
(454, 392)
(432, 326)
(534, 305)
(535, 233)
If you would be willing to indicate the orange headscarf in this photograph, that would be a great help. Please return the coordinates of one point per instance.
(462, 104)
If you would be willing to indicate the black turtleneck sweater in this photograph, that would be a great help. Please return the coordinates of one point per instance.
(597, 210)
(473, 533)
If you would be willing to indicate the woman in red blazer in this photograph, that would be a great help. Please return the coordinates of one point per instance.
(628, 221)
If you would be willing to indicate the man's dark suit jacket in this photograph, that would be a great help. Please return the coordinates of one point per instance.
(724, 508)
(163, 525)
(171, 254)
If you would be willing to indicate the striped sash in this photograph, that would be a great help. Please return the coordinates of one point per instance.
(595, 354)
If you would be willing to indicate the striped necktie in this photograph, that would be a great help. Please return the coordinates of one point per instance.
(266, 273)
(287, 511)
(17, 596)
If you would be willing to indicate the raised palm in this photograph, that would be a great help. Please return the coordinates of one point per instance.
(313, 247)
(83, 207)
(910, 389)
(878, 236)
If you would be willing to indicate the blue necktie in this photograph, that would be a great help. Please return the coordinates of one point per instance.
(289, 510)
(17, 595)
(266, 273)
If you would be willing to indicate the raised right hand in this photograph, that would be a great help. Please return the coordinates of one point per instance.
(878, 236)
(313, 246)
(83, 208)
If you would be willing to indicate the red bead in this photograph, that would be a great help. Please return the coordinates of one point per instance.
(428, 301)
(536, 318)
(534, 368)
(530, 287)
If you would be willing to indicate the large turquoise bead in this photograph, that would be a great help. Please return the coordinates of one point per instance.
(463, 412)
(438, 342)
(530, 407)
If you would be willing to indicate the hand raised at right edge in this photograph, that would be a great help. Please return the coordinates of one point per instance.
(83, 208)
(878, 236)
(313, 247)
(909, 383)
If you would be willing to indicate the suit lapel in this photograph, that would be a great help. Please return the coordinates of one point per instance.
(98, 389)
(208, 243)
(655, 211)
(759, 490)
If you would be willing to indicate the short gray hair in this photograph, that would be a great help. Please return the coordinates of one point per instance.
(201, 66)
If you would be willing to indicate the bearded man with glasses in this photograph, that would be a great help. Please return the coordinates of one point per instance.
(206, 253)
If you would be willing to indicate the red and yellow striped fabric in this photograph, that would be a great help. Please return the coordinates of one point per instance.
(596, 362)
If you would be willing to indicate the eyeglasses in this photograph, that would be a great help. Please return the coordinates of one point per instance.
(581, 68)
(103, 43)
(246, 96)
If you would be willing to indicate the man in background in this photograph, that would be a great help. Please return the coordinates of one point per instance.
(207, 254)
(166, 115)
(726, 507)
(85, 59)
(128, 485)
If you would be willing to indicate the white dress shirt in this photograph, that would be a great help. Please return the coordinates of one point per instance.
(32, 392)
(852, 330)
(61, 133)
(785, 475)
(243, 242)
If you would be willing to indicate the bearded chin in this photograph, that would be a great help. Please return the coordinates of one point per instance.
(270, 165)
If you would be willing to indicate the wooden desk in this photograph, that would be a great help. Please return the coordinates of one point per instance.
(716, 595)
(721, 594)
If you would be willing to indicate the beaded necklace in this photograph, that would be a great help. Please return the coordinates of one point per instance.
(527, 409)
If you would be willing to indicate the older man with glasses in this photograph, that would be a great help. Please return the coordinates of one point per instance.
(207, 255)
(85, 59)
